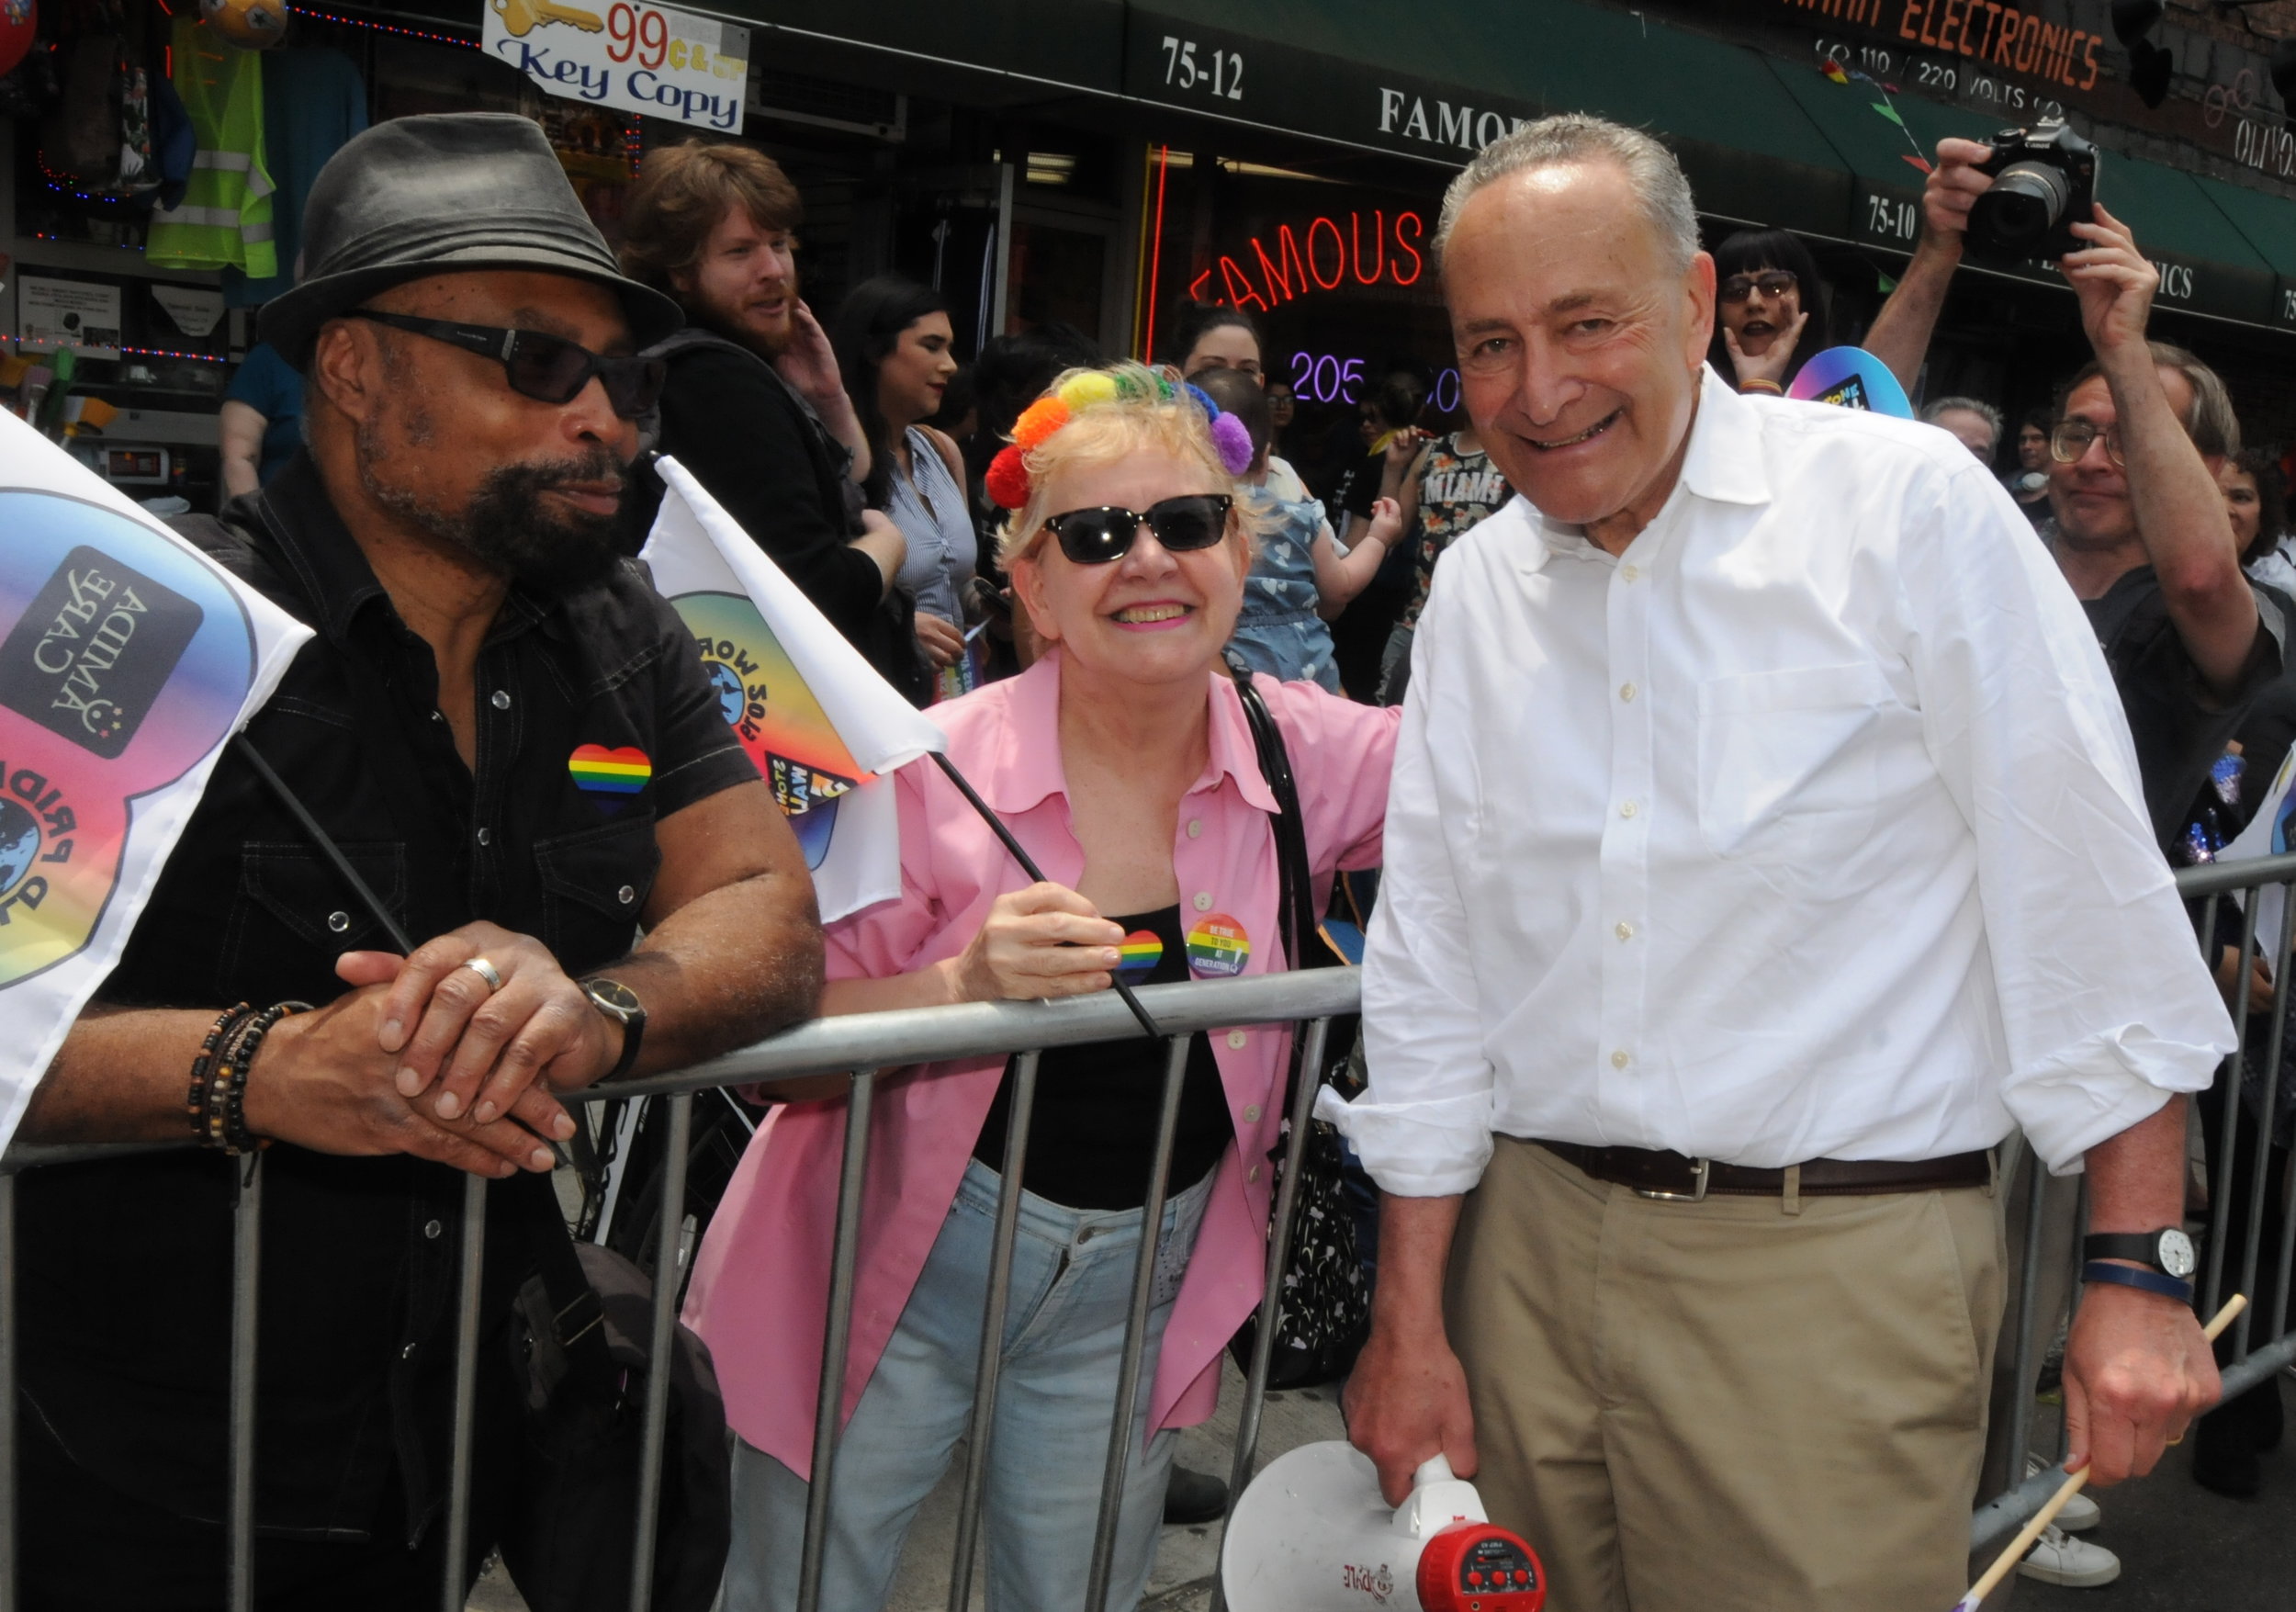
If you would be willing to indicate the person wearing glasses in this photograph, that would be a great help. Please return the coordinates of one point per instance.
(1770, 311)
(1123, 761)
(449, 535)
(2138, 527)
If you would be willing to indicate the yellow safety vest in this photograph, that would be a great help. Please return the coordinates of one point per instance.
(225, 219)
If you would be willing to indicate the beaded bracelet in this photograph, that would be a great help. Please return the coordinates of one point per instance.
(202, 1066)
(227, 1096)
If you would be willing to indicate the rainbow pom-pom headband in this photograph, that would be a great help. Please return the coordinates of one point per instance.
(1008, 478)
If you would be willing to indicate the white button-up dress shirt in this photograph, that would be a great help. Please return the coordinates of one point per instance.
(1808, 826)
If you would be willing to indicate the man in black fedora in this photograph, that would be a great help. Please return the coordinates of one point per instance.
(511, 737)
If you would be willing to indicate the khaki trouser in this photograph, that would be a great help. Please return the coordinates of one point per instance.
(1747, 1404)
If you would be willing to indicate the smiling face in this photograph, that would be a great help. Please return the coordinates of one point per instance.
(1580, 346)
(2240, 503)
(1153, 616)
(2090, 496)
(914, 376)
(1764, 315)
(745, 283)
(435, 435)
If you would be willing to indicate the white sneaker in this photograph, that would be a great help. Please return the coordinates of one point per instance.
(2080, 1513)
(2058, 1558)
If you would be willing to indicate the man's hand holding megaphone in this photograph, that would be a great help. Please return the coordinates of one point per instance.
(1406, 1400)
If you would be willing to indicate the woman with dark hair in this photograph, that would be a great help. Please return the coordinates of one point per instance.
(2257, 503)
(1211, 337)
(1770, 312)
(893, 344)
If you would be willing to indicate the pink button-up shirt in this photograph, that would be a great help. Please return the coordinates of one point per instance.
(760, 1285)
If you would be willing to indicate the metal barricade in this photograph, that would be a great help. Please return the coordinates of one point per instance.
(860, 1047)
(2225, 894)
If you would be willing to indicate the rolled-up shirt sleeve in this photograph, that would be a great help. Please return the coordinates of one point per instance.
(2107, 1008)
(1423, 1128)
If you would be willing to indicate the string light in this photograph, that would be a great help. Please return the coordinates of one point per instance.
(124, 352)
(465, 41)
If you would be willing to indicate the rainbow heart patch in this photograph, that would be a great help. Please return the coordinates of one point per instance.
(1137, 955)
(609, 777)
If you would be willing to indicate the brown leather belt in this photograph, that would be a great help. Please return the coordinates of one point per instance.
(1672, 1176)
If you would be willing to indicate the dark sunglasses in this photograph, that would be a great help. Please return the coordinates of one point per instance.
(549, 369)
(1772, 284)
(1096, 537)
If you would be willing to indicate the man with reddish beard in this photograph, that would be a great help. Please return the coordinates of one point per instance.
(1764, 845)
(754, 406)
(479, 647)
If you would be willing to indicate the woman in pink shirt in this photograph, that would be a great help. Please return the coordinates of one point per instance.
(1121, 759)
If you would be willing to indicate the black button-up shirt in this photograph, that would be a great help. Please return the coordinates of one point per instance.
(127, 1264)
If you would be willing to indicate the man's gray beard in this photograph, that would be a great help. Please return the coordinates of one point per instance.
(503, 526)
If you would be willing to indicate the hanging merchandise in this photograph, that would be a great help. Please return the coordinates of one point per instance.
(19, 24)
(138, 172)
(80, 137)
(252, 25)
(313, 102)
(225, 221)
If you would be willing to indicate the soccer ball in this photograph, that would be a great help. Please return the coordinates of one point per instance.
(253, 25)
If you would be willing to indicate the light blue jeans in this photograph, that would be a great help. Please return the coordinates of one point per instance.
(1072, 1276)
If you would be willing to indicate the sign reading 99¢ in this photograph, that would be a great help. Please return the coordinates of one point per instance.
(633, 57)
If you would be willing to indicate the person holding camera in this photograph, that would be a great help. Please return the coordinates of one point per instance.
(2139, 530)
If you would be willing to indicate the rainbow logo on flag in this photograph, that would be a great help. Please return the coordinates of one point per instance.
(1137, 956)
(612, 776)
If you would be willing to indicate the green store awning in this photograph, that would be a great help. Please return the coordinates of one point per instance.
(1436, 81)
(1764, 139)
(2269, 223)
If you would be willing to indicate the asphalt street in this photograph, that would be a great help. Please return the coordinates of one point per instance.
(2185, 1549)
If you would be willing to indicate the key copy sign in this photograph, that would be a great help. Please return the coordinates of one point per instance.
(634, 58)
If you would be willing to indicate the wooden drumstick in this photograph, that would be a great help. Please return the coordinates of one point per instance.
(2010, 1558)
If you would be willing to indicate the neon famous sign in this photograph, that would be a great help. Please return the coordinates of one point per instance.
(1326, 256)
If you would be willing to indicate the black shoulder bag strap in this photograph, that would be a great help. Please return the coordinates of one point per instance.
(1295, 906)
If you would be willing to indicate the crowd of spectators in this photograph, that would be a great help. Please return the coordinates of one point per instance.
(857, 450)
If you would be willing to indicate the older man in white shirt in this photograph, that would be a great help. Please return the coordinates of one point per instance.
(1765, 844)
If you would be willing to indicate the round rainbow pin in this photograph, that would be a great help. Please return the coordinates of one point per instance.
(1137, 956)
(1218, 947)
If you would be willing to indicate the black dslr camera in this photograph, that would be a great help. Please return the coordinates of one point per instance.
(2044, 181)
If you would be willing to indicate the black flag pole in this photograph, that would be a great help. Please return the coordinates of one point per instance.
(1028, 866)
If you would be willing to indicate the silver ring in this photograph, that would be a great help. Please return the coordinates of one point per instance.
(485, 971)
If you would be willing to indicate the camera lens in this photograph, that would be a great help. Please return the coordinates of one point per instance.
(2025, 203)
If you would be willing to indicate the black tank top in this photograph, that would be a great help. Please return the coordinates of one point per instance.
(1092, 1134)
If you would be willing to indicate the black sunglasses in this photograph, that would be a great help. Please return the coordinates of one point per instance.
(1096, 537)
(1772, 284)
(549, 369)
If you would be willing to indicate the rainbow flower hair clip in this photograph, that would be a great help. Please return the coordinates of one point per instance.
(1008, 477)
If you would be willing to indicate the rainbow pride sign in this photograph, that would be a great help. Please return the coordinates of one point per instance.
(127, 658)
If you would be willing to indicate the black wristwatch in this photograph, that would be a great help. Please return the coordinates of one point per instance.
(2168, 1250)
(619, 1003)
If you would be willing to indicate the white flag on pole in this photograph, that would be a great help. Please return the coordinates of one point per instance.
(823, 728)
(127, 658)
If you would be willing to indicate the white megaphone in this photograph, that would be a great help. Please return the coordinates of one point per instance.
(1312, 1534)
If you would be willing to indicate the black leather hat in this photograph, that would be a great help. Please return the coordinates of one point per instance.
(434, 195)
